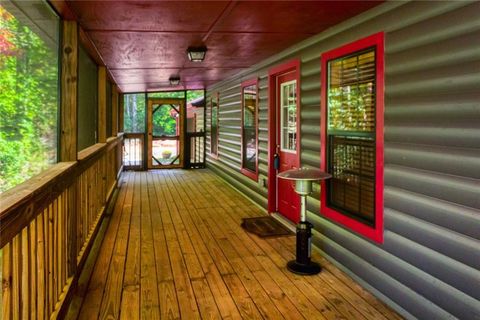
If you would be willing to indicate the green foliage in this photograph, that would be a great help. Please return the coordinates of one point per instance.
(134, 113)
(28, 102)
(163, 122)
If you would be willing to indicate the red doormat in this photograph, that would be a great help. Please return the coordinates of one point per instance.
(265, 227)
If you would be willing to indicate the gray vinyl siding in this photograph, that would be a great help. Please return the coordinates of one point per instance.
(429, 264)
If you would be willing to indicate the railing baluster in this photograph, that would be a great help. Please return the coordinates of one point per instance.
(33, 268)
(39, 259)
(133, 151)
(25, 274)
(7, 281)
(41, 271)
(49, 235)
(16, 277)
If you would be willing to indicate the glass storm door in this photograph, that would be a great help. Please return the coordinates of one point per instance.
(288, 202)
(165, 119)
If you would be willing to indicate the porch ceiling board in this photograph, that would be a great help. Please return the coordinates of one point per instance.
(181, 230)
(139, 35)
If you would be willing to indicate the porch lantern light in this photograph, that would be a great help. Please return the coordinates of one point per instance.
(196, 54)
(174, 80)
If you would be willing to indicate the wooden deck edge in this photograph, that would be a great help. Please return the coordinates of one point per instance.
(342, 268)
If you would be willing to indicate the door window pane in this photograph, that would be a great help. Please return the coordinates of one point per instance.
(165, 120)
(288, 114)
(165, 152)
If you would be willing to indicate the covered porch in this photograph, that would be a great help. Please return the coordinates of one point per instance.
(383, 96)
(173, 248)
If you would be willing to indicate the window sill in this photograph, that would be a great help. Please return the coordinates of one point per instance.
(251, 174)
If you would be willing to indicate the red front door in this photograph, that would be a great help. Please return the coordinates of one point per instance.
(287, 144)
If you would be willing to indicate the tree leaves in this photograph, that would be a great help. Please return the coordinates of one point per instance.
(28, 102)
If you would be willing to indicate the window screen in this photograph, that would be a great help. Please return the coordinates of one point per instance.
(134, 113)
(87, 100)
(29, 100)
(109, 109)
(351, 135)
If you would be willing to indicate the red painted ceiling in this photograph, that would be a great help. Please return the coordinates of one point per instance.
(143, 43)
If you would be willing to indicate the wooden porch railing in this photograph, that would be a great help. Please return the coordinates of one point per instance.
(47, 225)
(195, 150)
(133, 151)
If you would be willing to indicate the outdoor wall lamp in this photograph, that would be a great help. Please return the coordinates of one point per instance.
(174, 80)
(196, 54)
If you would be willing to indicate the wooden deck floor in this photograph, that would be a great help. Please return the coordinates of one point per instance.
(174, 249)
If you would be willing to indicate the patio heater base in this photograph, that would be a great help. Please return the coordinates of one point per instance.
(303, 264)
(304, 269)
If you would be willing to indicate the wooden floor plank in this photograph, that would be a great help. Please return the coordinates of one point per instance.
(164, 269)
(168, 300)
(186, 300)
(191, 260)
(149, 302)
(174, 249)
(130, 301)
(93, 295)
(332, 289)
(110, 307)
(336, 298)
(205, 301)
(166, 287)
(260, 296)
(244, 302)
(223, 299)
(339, 281)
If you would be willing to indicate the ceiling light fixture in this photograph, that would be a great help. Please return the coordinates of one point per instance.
(196, 54)
(174, 80)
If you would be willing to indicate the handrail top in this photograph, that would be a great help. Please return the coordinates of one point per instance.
(21, 193)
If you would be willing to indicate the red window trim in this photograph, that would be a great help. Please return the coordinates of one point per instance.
(273, 73)
(377, 40)
(217, 97)
(247, 172)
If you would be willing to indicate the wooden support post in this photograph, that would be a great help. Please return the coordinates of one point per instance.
(68, 137)
(120, 112)
(68, 142)
(102, 104)
(114, 111)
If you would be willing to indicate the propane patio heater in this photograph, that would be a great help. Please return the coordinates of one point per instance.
(304, 178)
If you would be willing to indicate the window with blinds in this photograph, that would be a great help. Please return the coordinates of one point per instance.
(351, 134)
(352, 105)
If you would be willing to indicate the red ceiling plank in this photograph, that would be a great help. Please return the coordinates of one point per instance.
(62, 8)
(144, 42)
(190, 16)
(228, 8)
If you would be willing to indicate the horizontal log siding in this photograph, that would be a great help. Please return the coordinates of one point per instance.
(428, 266)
